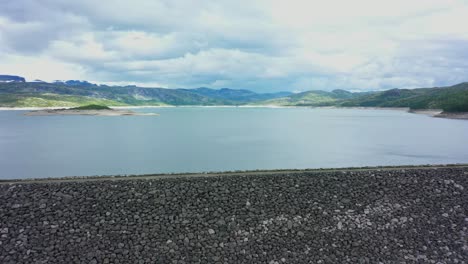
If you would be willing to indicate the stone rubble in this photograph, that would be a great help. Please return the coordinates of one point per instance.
(377, 216)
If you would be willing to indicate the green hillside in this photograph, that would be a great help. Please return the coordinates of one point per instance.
(23, 94)
(92, 107)
(52, 100)
(450, 99)
(115, 95)
(311, 98)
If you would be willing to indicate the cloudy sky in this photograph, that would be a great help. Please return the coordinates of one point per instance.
(263, 45)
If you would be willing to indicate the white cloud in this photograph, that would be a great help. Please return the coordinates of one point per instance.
(41, 67)
(144, 45)
(82, 49)
(262, 44)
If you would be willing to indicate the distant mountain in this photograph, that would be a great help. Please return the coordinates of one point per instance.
(55, 94)
(75, 83)
(236, 95)
(311, 98)
(16, 93)
(74, 92)
(11, 78)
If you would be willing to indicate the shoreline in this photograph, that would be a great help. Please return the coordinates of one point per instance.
(102, 112)
(456, 116)
(429, 112)
(437, 113)
(151, 106)
(69, 107)
(151, 176)
(229, 106)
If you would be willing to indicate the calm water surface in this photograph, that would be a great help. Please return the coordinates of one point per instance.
(196, 139)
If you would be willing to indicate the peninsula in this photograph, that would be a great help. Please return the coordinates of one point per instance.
(93, 110)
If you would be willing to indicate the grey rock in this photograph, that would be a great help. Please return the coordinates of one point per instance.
(386, 216)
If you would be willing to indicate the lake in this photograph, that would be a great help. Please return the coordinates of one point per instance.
(198, 139)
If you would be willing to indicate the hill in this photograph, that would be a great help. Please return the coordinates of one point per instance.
(240, 96)
(78, 93)
(450, 99)
(311, 98)
(91, 107)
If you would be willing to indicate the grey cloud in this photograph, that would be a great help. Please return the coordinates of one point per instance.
(34, 37)
(429, 62)
(230, 44)
(32, 25)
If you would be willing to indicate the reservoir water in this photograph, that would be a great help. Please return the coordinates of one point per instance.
(198, 139)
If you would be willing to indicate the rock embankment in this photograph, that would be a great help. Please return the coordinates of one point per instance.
(378, 216)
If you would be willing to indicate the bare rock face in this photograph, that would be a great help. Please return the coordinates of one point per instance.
(11, 78)
(380, 216)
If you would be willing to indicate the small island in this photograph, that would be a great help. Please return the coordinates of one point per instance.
(93, 110)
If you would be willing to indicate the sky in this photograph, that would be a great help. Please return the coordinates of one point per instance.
(261, 45)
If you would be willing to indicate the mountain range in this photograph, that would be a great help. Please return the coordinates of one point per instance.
(16, 92)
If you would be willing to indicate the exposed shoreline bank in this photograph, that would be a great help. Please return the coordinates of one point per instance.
(452, 115)
(406, 214)
(211, 106)
(428, 112)
(103, 112)
(65, 107)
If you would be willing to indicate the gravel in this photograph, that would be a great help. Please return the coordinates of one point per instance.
(372, 216)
